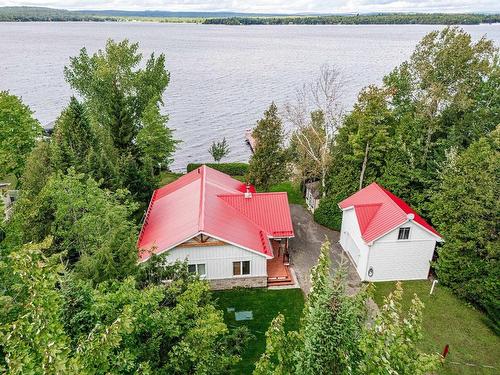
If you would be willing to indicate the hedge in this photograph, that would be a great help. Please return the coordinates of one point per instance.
(328, 214)
(232, 169)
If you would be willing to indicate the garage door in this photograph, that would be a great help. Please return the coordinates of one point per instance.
(351, 247)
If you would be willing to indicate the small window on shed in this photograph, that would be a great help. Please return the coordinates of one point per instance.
(404, 233)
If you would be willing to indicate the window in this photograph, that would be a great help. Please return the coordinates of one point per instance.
(200, 269)
(404, 233)
(241, 268)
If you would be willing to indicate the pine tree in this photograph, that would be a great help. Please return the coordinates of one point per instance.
(73, 140)
(332, 323)
(269, 163)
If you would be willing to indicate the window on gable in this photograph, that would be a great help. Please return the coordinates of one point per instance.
(404, 233)
(241, 268)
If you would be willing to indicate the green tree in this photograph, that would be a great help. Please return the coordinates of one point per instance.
(390, 345)
(115, 90)
(64, 325)
(34, 341)
(269, 163)
(218, 150)
(439, 99)
(330, 333)
(38, 169)
(332, 324)
(90, 226)
(73, 139)
(154, 139)
(281, 348)
(18, 133)
(371, 127)
(466, 209)
(123, 99)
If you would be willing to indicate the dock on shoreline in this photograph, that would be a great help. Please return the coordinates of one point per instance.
(250, 139)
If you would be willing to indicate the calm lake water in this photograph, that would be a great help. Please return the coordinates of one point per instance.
(222, 77)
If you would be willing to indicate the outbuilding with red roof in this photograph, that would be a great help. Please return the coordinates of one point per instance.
(384, 237)
(228, 233)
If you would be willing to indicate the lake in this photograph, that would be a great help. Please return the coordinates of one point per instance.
(222, 77)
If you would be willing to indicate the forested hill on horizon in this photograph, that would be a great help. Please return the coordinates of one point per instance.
(43, 14)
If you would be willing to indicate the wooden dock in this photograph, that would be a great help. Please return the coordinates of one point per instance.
(250, 139)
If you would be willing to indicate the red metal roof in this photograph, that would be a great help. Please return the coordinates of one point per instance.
(210, 202)
(269, 210)
(379, 211)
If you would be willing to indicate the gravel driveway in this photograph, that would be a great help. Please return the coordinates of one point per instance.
(305, 248)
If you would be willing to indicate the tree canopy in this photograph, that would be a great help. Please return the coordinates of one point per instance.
(19, 131)
(270, 162)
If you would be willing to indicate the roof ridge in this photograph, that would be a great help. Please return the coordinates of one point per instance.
(253, 194)
(389, 196)
(368, 204)
(201, 217)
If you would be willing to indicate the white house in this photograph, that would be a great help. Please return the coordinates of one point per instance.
(385, 239)
(228, 233)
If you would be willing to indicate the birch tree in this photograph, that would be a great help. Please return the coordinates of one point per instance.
(314, 118)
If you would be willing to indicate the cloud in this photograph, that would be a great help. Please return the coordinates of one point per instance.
(273, 6)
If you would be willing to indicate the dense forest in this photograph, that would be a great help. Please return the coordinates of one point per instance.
(26, 14)
(375, 19)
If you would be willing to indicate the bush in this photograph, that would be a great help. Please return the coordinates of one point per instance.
(232, 169)
(329, 214)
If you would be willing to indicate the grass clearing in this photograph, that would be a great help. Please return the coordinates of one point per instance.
(265, 305)
(168, 177)
(448, 320)
(293, 190)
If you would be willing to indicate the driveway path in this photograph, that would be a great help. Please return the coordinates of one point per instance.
(305, 249)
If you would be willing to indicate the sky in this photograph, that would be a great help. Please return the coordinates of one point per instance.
(272, 6)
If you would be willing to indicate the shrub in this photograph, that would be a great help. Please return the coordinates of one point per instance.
(232, 169)
(329, 214)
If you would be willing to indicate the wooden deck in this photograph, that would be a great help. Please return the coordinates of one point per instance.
(278, 273)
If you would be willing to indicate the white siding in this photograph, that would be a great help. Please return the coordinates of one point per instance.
(394, 259)
(351, 241)
(219, 260)
(312, 202)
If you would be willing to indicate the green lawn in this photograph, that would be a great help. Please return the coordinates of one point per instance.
(448, 320)
(265, 305)
(293, 190)
(168, 177)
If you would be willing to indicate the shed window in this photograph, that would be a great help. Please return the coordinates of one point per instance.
(404, 233)
(241, 268)
(200, 269)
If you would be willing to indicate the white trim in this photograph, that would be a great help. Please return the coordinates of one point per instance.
(168, 248)
(217, 238)
(398, 225)
(242, 247)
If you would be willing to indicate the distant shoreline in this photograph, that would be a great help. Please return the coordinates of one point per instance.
(41, 14)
